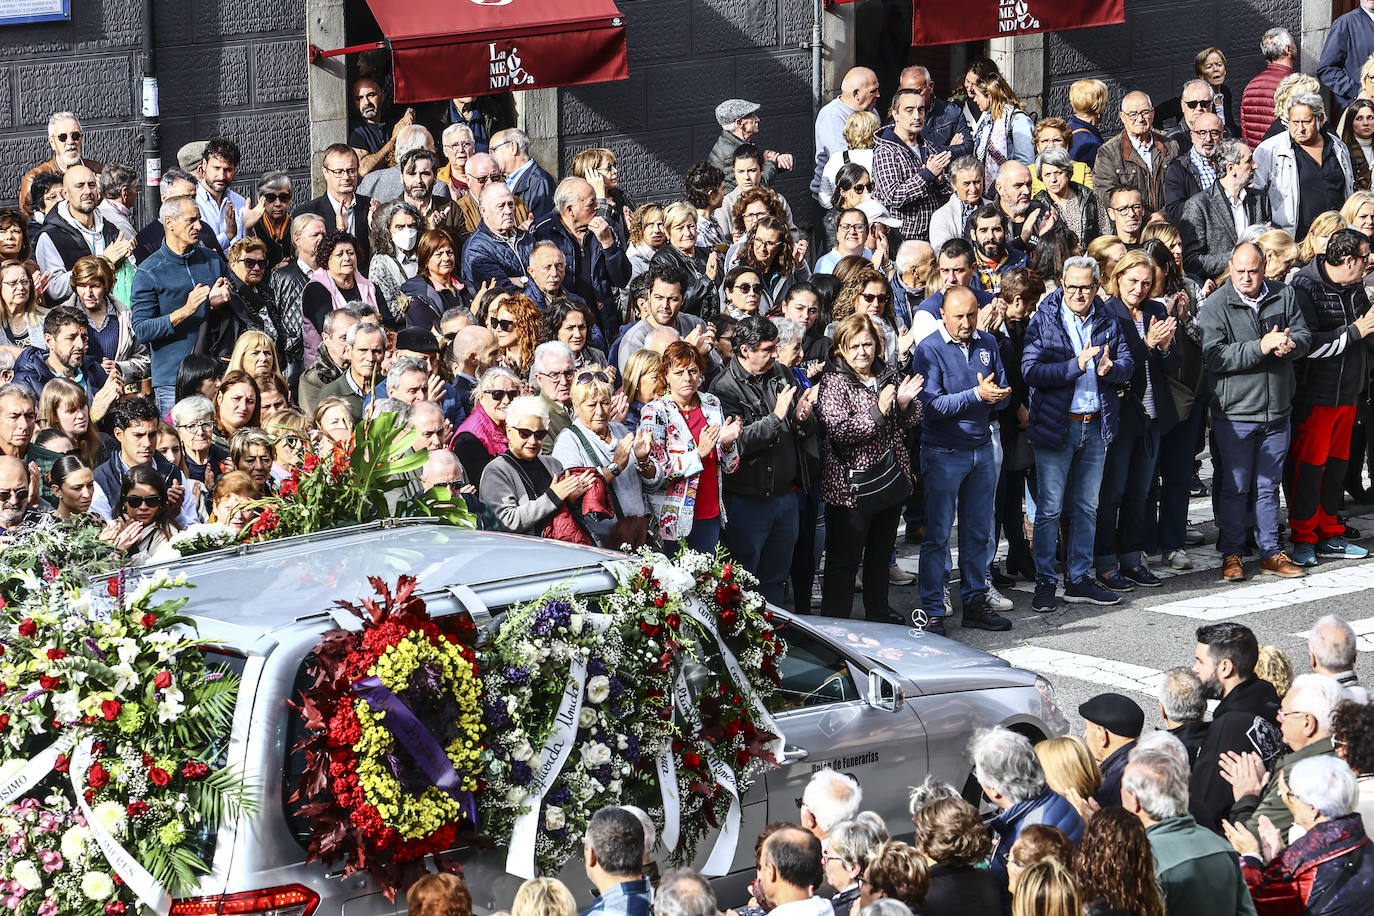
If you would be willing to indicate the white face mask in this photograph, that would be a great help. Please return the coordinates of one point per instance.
(404, 239)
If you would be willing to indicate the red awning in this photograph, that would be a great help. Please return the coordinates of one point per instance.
(444, 49)
(938, 22)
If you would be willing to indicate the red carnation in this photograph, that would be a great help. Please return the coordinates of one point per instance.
(137, 808)
(96, 777)
(722, 595)
(691, 760)
(112, 587)
(163, 679)
(48, 683)
(660, 600)
(109, 709)
(27, 628)
(116, 907)
(63, 761)
(727, 572)
(159, 776)
(728, 618)
(148, 620)
(194, 769)
(56, 654)
(4, 720)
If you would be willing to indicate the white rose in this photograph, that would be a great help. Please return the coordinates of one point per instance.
(110, 815)
(512, 706)
(575, 624)
(586, 718)
(97, 886)
(553, 818)
(516, 796)
(74, 842)
(587, 790)
(522, 751)
(622, 742)
(26, 873)
(596, 754)
(613, 787)
(598, 688)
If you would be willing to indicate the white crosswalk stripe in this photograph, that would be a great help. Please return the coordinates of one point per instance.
(1364, 633)
(1272, 593)
(1105, 671)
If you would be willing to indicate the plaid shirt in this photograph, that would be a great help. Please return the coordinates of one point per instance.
(1205, 171)
(903, 183)
(631, 898)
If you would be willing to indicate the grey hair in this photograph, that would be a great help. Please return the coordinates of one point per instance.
(57, 116)
(1327, 783)
(920, 796)
(400, 367)
(1005, 761)
(886, 906)
(115, 179)
(170, 179)
(1182, 696)
(853, 841)
(332, 317)
(491, 375)
(191, 408)
(789, 332)
(413, 137)
(455, 129)
(567, 191)
(389, 405)
(874, 821)
(683, 892)
(492, 189)
(1308, 100)
(1332, 644)
(300, 223)
(543, 352)
(1275, 44)
(1055, 156)
(967, 164)
(274, 179)
(1167, 744)
(914, 68)
(1211, 93)
(519, 138)
(1083, 262)
(361, 327)
(1228, 152)
(545, 245)
(171, 207)
(529, 405)
(832, 797)
(16, 390)
(1317, 695)
(1158, 781)
(908, 253)
(1149, 102)
(650, 832)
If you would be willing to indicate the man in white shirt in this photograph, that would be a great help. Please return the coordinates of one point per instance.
(224, 209)
(788, 865)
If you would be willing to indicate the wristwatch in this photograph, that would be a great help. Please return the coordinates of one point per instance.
(616, 469)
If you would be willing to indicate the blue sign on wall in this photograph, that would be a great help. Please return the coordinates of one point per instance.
(16, 12)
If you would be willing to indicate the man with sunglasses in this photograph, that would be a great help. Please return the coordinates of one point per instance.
(1196, 99)
(17, 514)
(135, 422)
(66, 139)
(481, 170)
(1192, 172)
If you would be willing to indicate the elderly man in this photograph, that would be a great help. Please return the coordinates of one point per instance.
(408, 380)
(458, 146)
(552, 372)
(1192, 172)
(949, 221)
(964, 384)
(373, 139)
(1331, 650)
(1112, 724)
(908, 172)
(442, 469)
(17, 514)
(739, 124)
(18, 420)
(614, 860)
(341, 206)
(945, 124)
(498, 250)
(789, 864)
(1305, 171)
(914, 261)
(1257, 101)
(1009, 773)
(684, 892)
(432, 427)
(1027, 219)
(118, 194)
(1197, 870)
(173, 291)
(1183, 707)
(1348, 45)
(1135, 158)
(479, 171)
(1127, 213)
(366, 348)
(1213, 221)
(597, 268)
(66, 139)
(747, 170)
(175, 183)
(548, 271)
(1075, 360)
(331, 357)
(223, 209)
(829, 799)
(1196, 99)
(385, 184)
(858, 92)
(1253, 332)
(474, 352)
(74, 229)
(663, 311)
(760, 499)
(525, 177)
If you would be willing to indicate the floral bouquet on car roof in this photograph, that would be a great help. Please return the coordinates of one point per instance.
(112, 735)
(395, 739)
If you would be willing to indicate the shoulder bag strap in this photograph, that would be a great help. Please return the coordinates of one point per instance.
(524, 478)
(1348, 869)
(591, 453)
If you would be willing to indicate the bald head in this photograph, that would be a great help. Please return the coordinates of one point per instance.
(1137, 114)
(859, 90)
(661, 339)
(474, 350)
(497, 204)
(83, 189)
(1247, 269)
(441, 468)
(1014, 188)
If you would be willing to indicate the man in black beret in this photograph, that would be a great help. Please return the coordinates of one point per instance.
(1111, 725)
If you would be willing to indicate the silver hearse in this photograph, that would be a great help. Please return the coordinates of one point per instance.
(880, 702)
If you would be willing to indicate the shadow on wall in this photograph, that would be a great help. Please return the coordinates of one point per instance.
(687, 56)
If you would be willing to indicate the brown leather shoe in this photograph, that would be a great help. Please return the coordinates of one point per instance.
(1232, 570)
(1280, 565)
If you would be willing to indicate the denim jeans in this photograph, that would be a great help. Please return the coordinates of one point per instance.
(1177, 450)
(166, 396)
(1123, 518)
(1250, 458)
(703, 538)
(1067, 482)
(962, 479)
(761, 535)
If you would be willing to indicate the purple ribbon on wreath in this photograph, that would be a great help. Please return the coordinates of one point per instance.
(418, 740)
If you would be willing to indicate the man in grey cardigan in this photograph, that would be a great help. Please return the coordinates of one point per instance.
(664, 310)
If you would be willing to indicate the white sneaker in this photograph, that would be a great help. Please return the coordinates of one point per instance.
(898, 576)
(997, 601)
(949, 605)
(1178, 559)
(816, 592)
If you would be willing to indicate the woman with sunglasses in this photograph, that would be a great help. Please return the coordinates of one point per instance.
(482, 436)
(251, 451)
(435, 288)
(251, 305)
(853, 188)
(571, 321)
(515, 321)
(274, 228)
(866, 291)
(290, 432)
(743, 291)
(702, 265)
(143, 499)
(619, 456)
(768, 249)
(524, 488)
(194, 420)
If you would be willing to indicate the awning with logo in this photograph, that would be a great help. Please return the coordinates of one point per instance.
(939, 22)
(446, 49)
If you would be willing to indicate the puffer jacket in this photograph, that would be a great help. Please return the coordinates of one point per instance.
(1333, 851)
(1257, 103)
(1118, 165)
(1048, 808)
(857, 434)
(1248, 385)
(702, 295)
(1336, 370)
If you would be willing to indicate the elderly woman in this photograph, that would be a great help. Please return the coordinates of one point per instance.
(865, 408)
(1054, 133)
(112, 336)
(593, 441)
(1296, 202)
(571, 321)
(250, 306)
(435, 288)
(1210, 66)
(1280, 253)
(194, 419)
(1330, 868)
(250, 451)
(274, 228)
(897, 871)
(702, 265)
(395, 236)
(288, 285)
(845, 855)
(14, 235)
(336, 281)
(704, 189)
(524, 488)
(694, 444)
(21, 325)
(951, 837)
(482, 436)
(647, 237)
(1074, 201)
(236, 406)
(859, 129)
(743, 290)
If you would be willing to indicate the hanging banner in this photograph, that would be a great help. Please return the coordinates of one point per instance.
(938, 22)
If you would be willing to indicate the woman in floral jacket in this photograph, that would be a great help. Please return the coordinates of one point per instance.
(694, 445)
(865, 406)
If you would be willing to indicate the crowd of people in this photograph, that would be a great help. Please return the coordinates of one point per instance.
(1255, 812)
(980, 321)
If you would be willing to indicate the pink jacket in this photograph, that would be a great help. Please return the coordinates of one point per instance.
(675, 451)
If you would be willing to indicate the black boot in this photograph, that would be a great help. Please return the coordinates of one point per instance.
(978, 616)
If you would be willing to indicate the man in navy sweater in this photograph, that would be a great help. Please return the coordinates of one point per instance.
(1348, 45)
(964, 384)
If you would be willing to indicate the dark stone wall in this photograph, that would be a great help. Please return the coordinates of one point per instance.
(1154, 49)
(687, 56)
(231, 67)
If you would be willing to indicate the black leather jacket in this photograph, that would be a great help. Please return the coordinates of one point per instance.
(771, 450)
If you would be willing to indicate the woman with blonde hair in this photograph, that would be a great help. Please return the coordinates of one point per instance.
(701, 295)
(597, 166)
(1068, 766)
(233, 493)
(641, 384)
(1088, 99)
(21, 318)
(1004, 131)
(1280, 253)
(1358, 212)
(543, 897)
(290, 431)
(333, 419)
(647, 237)
(1047, 888)
(1274, 666)
(1106, 250)
(1289, 86)
(64, 406)
(254, 352)
(1318, 234)
(859, 129)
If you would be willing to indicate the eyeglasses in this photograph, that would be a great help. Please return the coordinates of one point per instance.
(1207, 134)
(1129, 208)
(499, 394)
(1197, 103)
(75, 135)
(7, 495)
(748, 288)
(504, 325)
(15, 284)
(273, 197)
(566, 373)
(585, 377)
(250, 263)
(340, 172)
(1079, 290)
(290, 440)
(199, 426)
(874, 297)
(497, 146)
(862, 188)
(138, 502)
(483, 179)
(536, 434)
(461, 144)
(851, 228)
(765, 243)
(827, 857)
(1140, 115)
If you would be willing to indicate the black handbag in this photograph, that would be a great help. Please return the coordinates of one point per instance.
(879, 487)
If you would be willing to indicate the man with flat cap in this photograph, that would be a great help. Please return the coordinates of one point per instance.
(1111, 725)
(739, 123)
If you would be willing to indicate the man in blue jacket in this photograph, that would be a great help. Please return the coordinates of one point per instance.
(1348, 46)
(498, 249)
(1075, 360)
(66, 332)
(173, 293)
(597, 268)
(964, 384)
